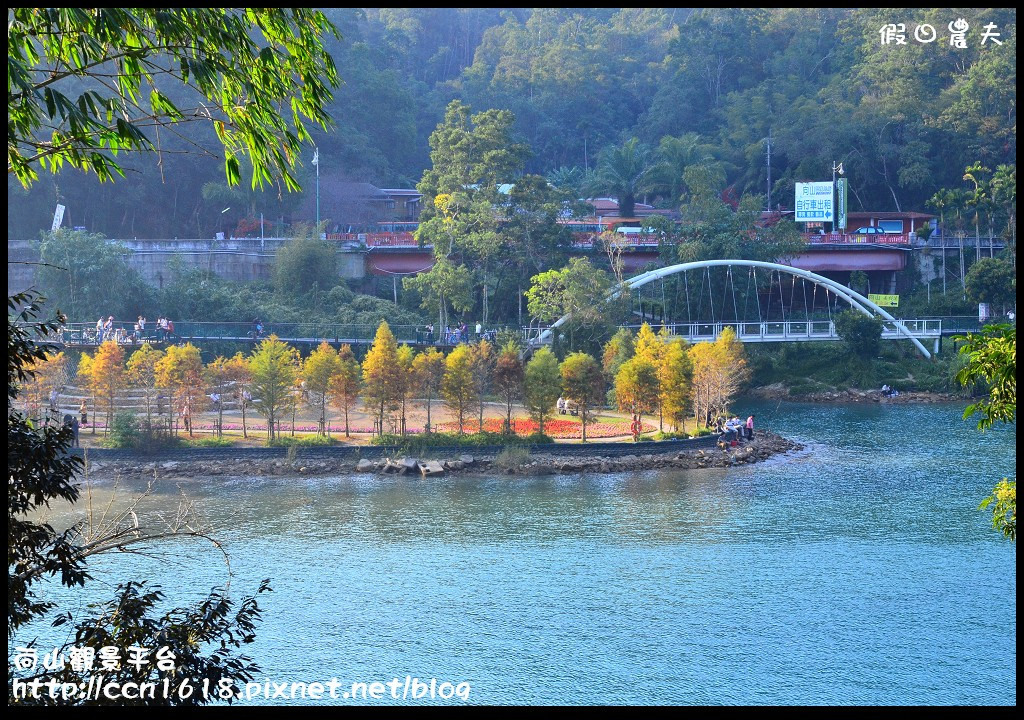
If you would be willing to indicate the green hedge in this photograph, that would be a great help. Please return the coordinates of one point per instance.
(303, 441)
(413, 443)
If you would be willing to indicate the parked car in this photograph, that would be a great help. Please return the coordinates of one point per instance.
(876, 231)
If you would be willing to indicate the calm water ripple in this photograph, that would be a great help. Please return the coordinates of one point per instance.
(856, 571)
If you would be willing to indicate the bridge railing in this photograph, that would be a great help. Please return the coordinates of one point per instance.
(950, 242)
(587, 241)
(782, 330)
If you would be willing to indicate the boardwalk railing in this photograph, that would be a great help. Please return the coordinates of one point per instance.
(85, 334)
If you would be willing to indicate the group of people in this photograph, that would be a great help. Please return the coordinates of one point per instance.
(106, 331)
(457, 334)
(567, 406)
(733, 429)
(258, 330)
(454, 336)
(890, 391)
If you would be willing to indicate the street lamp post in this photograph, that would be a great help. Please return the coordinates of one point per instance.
(835, 169)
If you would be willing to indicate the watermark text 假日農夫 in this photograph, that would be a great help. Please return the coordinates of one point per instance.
(959, 31)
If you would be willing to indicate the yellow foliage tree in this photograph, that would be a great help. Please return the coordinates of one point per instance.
(406, 380)
(141, 375)
(217, 378)
(428, 372)
(457, 387)
(675, 376)
(719, 370)
(381, 375)
(344, 386)
(238, 376)
(180, 370)
(107, 376)
(47, 379)
(482, 370)
(321, 365)
(636, 390)
(82, 378)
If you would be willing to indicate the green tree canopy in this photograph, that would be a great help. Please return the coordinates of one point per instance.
(205, 639)
(992, 361)
(580, 290)
(275, 367)
(305, 262)
(861, 333)
(85, 84)
(542, 386)
(625, 172)
(583, 384)
(85, 276)
(993, 281)
(474, 159)
(446, 286)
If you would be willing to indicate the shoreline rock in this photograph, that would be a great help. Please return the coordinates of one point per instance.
(780, 392)
(764, 445)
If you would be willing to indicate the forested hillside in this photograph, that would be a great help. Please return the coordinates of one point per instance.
(904, 119)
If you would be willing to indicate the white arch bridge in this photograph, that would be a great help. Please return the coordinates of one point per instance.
(763, 329)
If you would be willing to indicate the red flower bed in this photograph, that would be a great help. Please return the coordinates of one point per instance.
(556, 428)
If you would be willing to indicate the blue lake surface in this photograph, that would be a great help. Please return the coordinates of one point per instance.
(856, 571)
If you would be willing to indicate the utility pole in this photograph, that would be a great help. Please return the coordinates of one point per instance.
(769, 140)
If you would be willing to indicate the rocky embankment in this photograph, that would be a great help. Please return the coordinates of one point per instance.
(781, 392)
(513, 462)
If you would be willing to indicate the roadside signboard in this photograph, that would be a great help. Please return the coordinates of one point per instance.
(885, 300)
(814, 202)
(58, 217)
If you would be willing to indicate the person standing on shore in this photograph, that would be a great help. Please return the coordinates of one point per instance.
(750, 427)
(72, 422)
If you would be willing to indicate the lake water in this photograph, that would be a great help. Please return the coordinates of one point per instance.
(856, 571)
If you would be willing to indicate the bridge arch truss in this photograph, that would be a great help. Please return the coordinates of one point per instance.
(854, 299)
